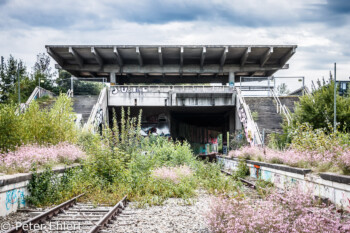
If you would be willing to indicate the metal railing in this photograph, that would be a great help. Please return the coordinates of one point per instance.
(70, 93)
(281, 108)
(250, 124)
(37, 93)
(90, 124)
(167, 88)
(307, 91)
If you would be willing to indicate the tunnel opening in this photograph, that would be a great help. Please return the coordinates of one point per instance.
(205, 128)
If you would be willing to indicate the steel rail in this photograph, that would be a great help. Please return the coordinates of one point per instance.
(250, 184)
(44, 216)
(109, 216)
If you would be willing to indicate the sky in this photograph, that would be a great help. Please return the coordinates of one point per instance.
(320, 28)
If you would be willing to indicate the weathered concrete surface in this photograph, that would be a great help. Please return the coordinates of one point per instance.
(82, 104)
(139, 63)
(268, 118)
(289, 101)
(284, 176)
(171, 96)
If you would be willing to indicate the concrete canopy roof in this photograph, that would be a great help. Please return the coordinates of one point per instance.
(170, 63)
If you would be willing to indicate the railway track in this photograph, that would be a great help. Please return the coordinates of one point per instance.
(246, 182)
(72, 216)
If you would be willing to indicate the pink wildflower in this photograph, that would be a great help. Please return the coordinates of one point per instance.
(174, 174)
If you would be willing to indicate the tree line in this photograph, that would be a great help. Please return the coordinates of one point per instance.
(12, 70)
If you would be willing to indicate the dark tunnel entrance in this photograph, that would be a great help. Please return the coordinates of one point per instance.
(205, 128)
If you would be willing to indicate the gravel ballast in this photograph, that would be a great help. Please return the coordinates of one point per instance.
(174, 216)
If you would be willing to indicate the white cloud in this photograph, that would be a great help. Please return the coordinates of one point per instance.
(91, 22)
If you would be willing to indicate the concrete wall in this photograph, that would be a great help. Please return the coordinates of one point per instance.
(12, 197)
(138, 99)
(170, 96)
(335, 188)
(13, 190)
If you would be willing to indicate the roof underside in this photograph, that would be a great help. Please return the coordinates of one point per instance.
(171, 64)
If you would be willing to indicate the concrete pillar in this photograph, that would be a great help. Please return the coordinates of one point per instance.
(238, 124)
(232, 122)
(231, 79)
(112, 78)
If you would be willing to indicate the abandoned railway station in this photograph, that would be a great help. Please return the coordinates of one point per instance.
(185, 92)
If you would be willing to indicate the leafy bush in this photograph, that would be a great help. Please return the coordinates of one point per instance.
(264, 187)
(48, 188)
(255, 116)
(318, 109)
(11, 128)
(210, 177)
(243, 169)
(37, 126)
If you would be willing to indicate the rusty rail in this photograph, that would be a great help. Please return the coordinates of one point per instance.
(248, 183)
(48, 215)
(45, 216)
(109, 216)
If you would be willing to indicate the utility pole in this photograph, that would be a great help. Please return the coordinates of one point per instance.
(19, 87)
(335, 97)
(71, 85)
(39, 86)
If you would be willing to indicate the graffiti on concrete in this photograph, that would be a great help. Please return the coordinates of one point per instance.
(116, 90)
(267, 175)
(345, 201)
(15, 196)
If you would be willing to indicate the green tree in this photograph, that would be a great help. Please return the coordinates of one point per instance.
(282, 89)
(8, 75)
(317, 109)
(42, 72)
(63, 84)
(2, 79)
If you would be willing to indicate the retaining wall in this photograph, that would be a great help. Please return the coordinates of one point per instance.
(333, 187)
(13, 190)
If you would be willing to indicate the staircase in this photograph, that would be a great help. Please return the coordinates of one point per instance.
(268, 118)
(264, 114)
(289, 101)
(36, 94)
(250, 127)
(83, 104)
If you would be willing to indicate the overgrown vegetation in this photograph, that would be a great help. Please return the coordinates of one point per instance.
(41, 75)
(255, 116)
(291, 211)
(237, 140)
(148, 169)
(318, 109)
(47, 187)
(37, 126)
(311, 141)
(242, 169)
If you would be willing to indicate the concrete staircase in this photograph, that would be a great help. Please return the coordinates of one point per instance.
(46, 103)
(268, 118)
(83, 104)
(289, 101)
